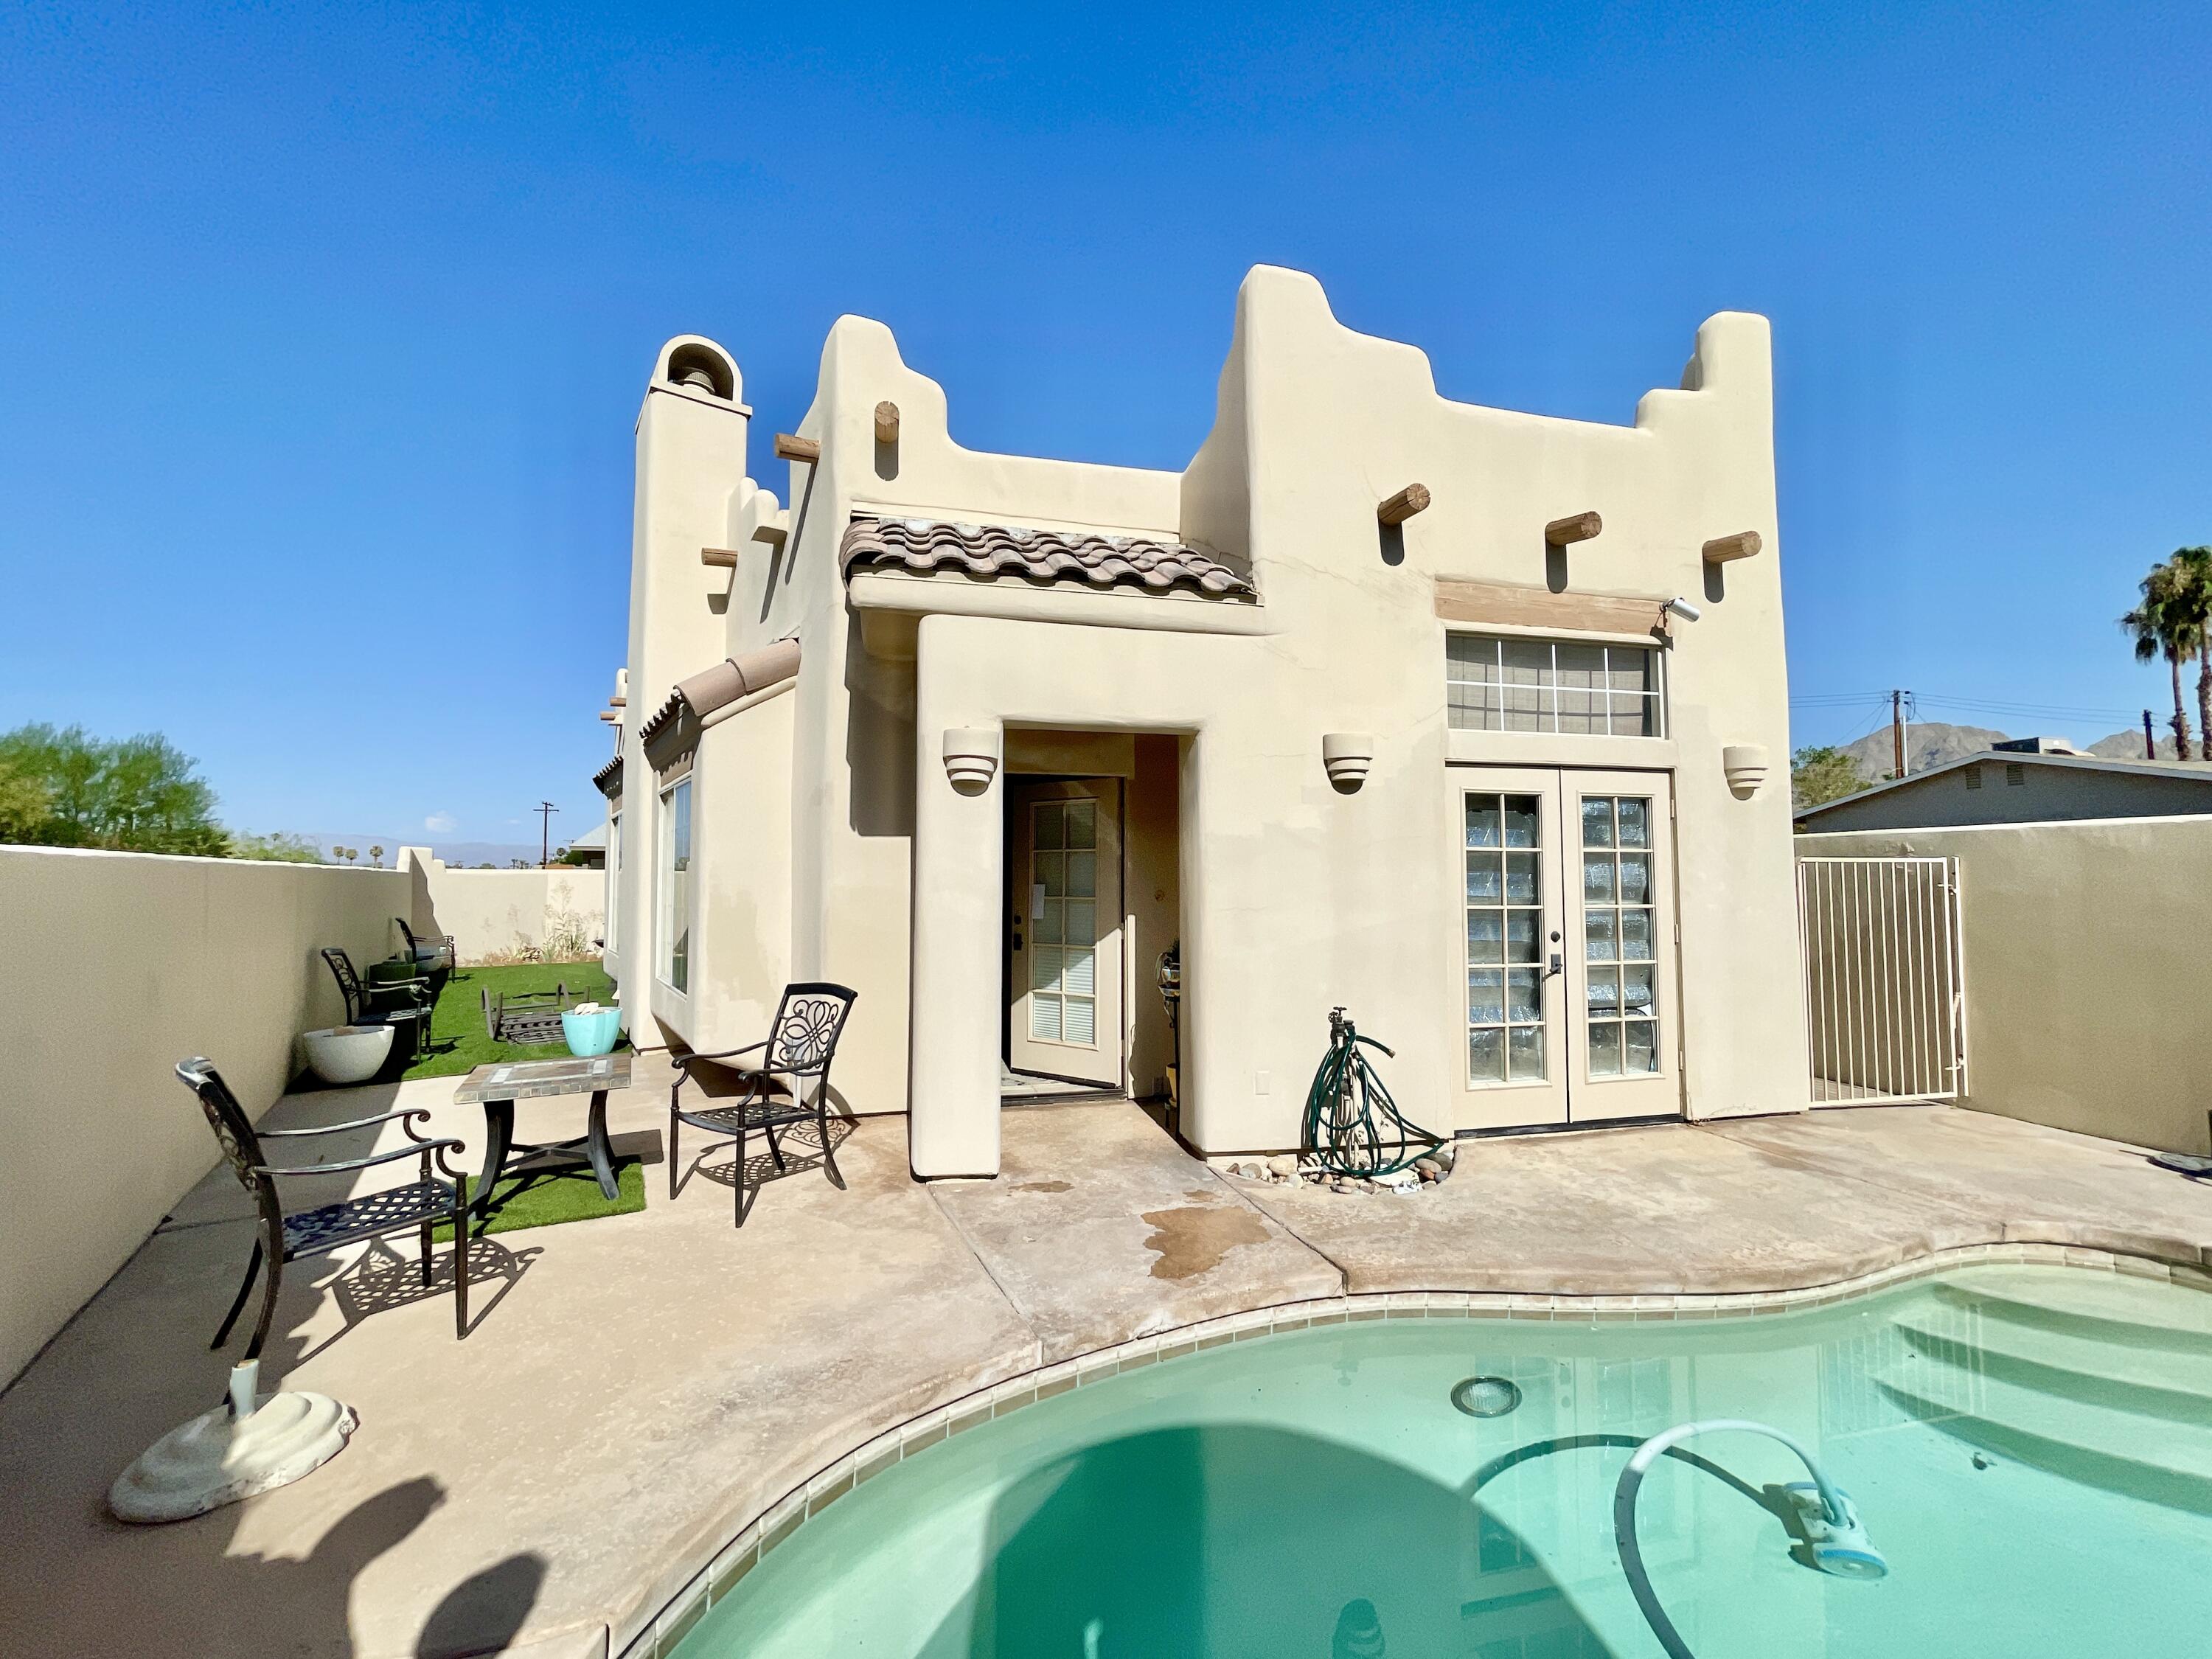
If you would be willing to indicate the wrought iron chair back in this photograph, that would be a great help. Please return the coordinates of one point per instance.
(356, 1000)
(808, 1022)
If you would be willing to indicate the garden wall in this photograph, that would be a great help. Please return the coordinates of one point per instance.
(2085, 976)
(117, 966)
(504, 915)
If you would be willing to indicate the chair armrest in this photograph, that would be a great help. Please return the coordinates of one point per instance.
(417, 1150)
(724, 1054)
(358, 1123)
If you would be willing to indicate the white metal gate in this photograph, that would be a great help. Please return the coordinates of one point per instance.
(1885, 979)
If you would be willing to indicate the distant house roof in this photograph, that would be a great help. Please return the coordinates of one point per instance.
(591, 841)
(723, 684)
(2190, 775)
(1053, 557)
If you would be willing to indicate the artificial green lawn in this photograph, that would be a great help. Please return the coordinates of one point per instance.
(546, 1198)
(458, 1043)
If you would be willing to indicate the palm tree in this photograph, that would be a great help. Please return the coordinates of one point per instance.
(2162, 626)
(377, 853)
(2192, 568)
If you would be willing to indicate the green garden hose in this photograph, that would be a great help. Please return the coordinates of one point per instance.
(1353, 1127)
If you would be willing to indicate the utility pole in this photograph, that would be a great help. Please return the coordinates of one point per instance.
(1896, 731)
(2150, 743)
(545, 810)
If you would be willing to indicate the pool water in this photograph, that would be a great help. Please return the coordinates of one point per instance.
(2031, 1448)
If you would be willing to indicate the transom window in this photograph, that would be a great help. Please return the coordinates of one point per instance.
(1499, 684)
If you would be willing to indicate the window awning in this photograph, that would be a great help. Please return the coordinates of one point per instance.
(1091, 560)
(723, 684)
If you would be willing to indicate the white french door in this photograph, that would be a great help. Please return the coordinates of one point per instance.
(1064, 914)
(1567, 893)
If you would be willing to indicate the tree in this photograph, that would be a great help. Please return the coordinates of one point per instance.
(133, 794)
(2169, 623)
(376, 856)
(279, 847)
(2192, 568)
(23, 803)
(1819, 776)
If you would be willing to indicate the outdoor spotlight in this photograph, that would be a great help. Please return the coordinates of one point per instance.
(1679, 607)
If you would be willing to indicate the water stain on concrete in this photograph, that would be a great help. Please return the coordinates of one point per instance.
(1042, 1187)
(1191, 1241)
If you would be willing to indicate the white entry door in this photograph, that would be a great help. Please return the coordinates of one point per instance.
(1064, 915)
(1567, 893)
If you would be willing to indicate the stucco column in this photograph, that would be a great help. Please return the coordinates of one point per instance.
(952, 1122)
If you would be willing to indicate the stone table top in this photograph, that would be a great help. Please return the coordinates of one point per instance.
(531, 1079)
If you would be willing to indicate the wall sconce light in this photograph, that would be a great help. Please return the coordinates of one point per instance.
(971, 757)
(1348, 755)
(1744, 765)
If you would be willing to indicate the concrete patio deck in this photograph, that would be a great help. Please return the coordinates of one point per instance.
(636, 1389)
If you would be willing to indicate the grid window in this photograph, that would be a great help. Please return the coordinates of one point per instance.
(675, 886)
(1504, 923)
(1497, 684)
(1619, 935)
(1064, 922)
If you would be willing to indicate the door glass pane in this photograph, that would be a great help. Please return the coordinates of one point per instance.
(1504, 923)
(1642, 1048)
(1620, 978)
(1063, 930)
(1605, 1048)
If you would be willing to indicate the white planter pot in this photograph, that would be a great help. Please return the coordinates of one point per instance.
(347, 1053)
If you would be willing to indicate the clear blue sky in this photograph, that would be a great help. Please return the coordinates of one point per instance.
(321, 333)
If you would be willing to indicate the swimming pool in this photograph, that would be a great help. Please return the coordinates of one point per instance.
(2031, 1448)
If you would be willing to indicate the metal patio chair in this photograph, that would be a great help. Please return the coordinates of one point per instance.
(526, 1017)
(429, 949)
(802, 1044)
(401, 1003)
(421, 1204)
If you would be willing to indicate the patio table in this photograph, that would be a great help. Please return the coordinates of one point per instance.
(496, 1087)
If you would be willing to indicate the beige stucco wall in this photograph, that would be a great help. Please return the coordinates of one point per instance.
(119, 965)
(2084, 947)
(497, 912)
(1291, 898)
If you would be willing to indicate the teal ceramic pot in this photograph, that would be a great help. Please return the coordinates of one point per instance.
(592, 1034)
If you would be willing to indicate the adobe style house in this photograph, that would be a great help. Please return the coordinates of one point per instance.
(1379, 703)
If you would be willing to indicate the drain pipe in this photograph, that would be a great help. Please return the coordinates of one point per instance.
(1832, 1527)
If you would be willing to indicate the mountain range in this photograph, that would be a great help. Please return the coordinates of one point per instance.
(1934, 742)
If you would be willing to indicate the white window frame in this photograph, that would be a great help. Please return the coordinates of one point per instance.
(614, 877)
(674, 971)
(1548, 689)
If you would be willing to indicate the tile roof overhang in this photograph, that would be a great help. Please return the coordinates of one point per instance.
(607, 780)
(925, 547)
(723, 684)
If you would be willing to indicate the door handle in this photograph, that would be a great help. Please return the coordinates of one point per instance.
(1559, 964)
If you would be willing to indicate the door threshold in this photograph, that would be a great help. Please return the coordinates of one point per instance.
(1590, 1128)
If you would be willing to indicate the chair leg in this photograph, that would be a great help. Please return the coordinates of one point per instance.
(776, 1151)
(252, 1272)
(460, 1269)
(426, 1252)
(737, 1172)
(674, 1129)
(829, 1152)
